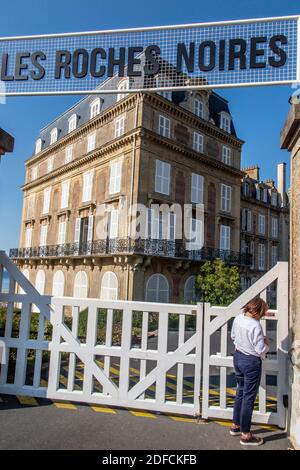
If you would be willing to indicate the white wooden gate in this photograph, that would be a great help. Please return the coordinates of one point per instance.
(218, 360)
(120, 374)
(161, 370)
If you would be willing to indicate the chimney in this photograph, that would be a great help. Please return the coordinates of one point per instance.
(252, 172)
(281, 183)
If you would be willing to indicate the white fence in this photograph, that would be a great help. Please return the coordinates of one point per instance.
(135, 354)
(217, 323)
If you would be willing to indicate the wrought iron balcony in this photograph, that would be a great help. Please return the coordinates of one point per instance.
(117, 246)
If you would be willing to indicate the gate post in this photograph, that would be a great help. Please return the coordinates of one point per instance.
(290, 140)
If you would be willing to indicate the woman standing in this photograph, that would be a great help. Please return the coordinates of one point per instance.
(250, 345)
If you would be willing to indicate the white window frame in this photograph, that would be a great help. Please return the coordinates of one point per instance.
(225, 236)
(225, 122)
(113, 229)
(226, 198)
(62, 230)
(261, 256)
(95, 108)
(197, 188)
(160, 290)
(30, 206)
(199, 107)
(65, 190)
(46, 200)
(91, 142)
(58, 285)
(38, 146)
(274, 198)
(115, 177)
(53, 135)
(109, 286)
(69, 154)
(265, 195)
(274, 227)
(43, 234)
(198, 142)
(50, 164)
(123, 86)
(87, 186)
(119, 126)
(261, 224)
(28, 237)
(164, 126)
(162, 177)
(226, 155)
(34, 172)
(81, 285)
(189, 291)
(72, 123)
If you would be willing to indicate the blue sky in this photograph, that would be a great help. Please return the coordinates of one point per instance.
(259, 113)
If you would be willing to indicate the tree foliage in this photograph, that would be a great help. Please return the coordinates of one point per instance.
(218, 283)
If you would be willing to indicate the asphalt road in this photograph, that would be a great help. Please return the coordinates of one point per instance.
(46, 426)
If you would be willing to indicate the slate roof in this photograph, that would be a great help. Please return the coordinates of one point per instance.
(217, 104)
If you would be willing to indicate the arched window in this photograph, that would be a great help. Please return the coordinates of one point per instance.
(189, 290)
(157, 289)
(109, 286)
(38, 146)
(123, 85)
(72, 121)
(40, 281)
(95, 107)
(58, 286)
(81, 285)
(53, 135)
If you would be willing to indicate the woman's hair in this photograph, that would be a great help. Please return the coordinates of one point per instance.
(256, 307)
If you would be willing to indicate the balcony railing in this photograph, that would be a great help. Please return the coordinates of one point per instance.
(117, 246)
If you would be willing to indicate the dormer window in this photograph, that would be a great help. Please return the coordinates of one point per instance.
(161, 82)
(38, 146)
(225, 122)
(72, 122)
(95, 108)
(246, 189)
(198, 108)
(258, 191)
(53, 135)
(123, 85)
(274, 198)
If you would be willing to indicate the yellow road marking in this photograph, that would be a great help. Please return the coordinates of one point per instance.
(145, 414)
(27, 400)
(102, 409)
(65, 405)
(223, 423)
(182, 419)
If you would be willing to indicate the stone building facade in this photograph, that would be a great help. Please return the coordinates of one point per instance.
(290, 140)
(110, 152)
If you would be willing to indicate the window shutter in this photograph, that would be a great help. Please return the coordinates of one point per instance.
(114, 221)
(77, 230)
(90, 228)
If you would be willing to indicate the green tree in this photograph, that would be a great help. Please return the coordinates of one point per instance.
(218, 283)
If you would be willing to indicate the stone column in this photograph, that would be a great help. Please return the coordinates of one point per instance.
(290, 140)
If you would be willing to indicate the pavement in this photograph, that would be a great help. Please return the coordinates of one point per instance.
(31, 423)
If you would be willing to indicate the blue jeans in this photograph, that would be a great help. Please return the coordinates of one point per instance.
(248, 374)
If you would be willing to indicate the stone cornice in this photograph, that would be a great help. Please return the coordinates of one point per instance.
(190, 118)
(190, 152)
(87, 158)
(128, 138)
(102, 118)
